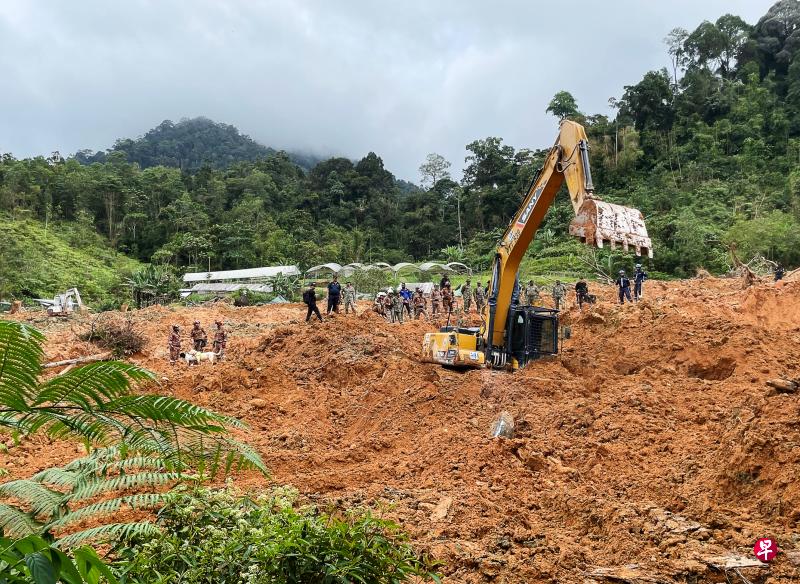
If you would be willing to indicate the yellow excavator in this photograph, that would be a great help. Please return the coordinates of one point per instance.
(512, 335)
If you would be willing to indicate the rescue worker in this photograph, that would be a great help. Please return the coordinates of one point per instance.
(480, 298)
(199, 336)
(310, 298)
(405, 296)
(349, 298)
(419, 302)
(220, 340)
(559, 293)
(436, 300)
(639, 276)
(466, 296)
(779, 272)
(624, 286)
(377, 306)
(397, 307)
(388, 303)
(447, 299)
(445, 281)
(531, 293)
(174, 344)
(581, 292)
(334, 295)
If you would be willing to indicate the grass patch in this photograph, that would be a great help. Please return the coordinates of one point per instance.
(38, 264)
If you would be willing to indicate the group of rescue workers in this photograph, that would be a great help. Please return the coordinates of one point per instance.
(199, 340)
(403, 303)
(395, 305)
(335, 295)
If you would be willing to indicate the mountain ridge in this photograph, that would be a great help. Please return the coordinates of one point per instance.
(192, 143)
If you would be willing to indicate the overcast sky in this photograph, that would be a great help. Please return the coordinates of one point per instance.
(401, 78)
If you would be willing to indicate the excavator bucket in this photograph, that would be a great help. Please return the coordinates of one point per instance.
(598, 223)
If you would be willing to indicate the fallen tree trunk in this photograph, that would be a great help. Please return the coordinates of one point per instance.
(87, 359)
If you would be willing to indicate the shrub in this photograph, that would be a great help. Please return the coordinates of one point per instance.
(32, 559)
(264, 541)
(153, 284)
(369, 281)
(116, 335)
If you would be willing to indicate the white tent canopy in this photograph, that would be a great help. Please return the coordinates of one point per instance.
(330, 267)
(247, 274)
(433, 267)
(408, 267)
(404, 267)
(223, 288)
(459, 267)
(427, 287)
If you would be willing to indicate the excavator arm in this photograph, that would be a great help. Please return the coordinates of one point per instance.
(595, 223)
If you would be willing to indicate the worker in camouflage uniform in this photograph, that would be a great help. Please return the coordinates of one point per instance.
(349, 298)
(436, 300)
(419, 302)
(199, 336)
(480, 298)
(447, 299)
(466, 295)
(220, 340)
(559, 294)
(174, 344)
(397, 307)
(531, 293)
(388, 302)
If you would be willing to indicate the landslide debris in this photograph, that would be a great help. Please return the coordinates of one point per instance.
(649, 445)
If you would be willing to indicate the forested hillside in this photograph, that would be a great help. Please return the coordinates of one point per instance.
(38, 262)
(708, 148)
(190, 144)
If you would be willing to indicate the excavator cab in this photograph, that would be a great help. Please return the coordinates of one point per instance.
(533, 333)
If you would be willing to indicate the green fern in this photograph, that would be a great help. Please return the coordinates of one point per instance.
(55, 498)
(141, 442)
(17, 522)
(141, 501)
(109, 532)
(94, 402)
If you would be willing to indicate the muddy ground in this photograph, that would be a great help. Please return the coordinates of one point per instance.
(649, 447)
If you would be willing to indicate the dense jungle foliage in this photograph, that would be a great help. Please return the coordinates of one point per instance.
(708, 148)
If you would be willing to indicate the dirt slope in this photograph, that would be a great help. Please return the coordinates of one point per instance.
(651, 440)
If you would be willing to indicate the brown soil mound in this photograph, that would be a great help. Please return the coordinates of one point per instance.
(650, 445)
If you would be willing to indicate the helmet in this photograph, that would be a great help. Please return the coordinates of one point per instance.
(197, 322)
(390, 291)
(621, 272)
(638, 265)
(219, 322)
